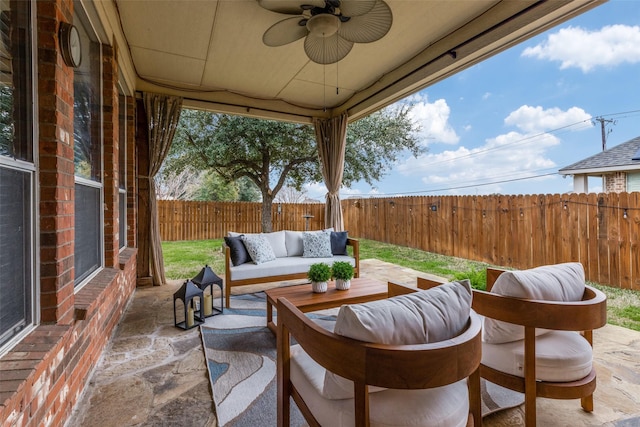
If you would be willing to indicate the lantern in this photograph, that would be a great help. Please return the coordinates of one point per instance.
(193, 313)
(206, 279)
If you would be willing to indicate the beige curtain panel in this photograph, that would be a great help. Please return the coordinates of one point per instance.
(331, 136)
(163, 113)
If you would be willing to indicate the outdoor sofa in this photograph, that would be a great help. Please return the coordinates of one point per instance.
(286, 255)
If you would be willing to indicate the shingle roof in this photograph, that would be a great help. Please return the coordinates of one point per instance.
(621, 156)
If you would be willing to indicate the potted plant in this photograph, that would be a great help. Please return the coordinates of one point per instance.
(319, 274)
(342, 272)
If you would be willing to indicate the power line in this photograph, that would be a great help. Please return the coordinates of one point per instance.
(467, 186)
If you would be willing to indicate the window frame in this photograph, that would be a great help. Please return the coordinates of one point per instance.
(30, 167)
(82, 16)
(122, 168)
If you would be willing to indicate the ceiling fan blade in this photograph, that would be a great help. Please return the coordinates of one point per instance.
(369, 27)
(356, 7)
(284, 32)
(290, 7)
(326, 50)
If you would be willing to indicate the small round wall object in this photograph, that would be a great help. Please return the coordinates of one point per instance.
(70, 46)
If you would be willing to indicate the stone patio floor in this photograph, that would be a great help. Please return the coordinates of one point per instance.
(154, 374)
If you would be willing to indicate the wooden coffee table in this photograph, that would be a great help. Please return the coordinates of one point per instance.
(363, 289)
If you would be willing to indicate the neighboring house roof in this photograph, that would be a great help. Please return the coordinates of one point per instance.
(622, 157)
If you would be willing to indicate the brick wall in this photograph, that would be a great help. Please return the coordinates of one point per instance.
(615, 182)
(43, 376)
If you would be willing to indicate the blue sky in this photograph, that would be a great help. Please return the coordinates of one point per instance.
(526, 112)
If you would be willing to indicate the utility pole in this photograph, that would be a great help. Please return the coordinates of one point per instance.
(603, 123)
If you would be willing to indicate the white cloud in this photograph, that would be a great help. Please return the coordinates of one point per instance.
(486, 95)
(510, 156)
(506, 157)
(584, 49)
(433, 118)
(536, 119)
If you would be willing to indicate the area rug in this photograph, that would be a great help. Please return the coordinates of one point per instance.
(241, 358)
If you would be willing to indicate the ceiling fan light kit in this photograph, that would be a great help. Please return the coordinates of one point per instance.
(324, 25)
(330, 27)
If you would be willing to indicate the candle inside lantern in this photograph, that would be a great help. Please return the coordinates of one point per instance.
(189, 317)
(207, 305)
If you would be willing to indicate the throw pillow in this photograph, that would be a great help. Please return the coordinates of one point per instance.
(259, 248)
(339, 242)
(277, 242)
(293, 242)
(428, 316)
(316, 244)
(558, 282)
(238, 252)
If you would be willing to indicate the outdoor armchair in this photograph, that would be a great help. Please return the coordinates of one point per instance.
(435, 383)
(539, 352)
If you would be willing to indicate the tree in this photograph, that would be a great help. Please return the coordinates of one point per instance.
(290, 195)
(176, 185)
(273, 154)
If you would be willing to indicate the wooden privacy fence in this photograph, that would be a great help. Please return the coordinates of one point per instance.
(602, 231)
(189, 220)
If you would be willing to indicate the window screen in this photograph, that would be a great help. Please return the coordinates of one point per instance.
(15, 252)
(88, 234)
(123, 218)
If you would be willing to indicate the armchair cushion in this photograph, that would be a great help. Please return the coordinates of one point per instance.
(428, 316)
(560, 356)
(442, 406)
(559, 282)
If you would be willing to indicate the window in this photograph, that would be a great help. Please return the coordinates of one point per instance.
(17, 174)
(633, 181)
(122, 152)
(87, 136)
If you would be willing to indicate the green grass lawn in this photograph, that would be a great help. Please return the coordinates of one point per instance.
(184, 260)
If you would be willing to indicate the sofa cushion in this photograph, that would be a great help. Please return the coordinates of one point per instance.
(316, 244)
(293, 242)
(558, 282)
(258, 247)
(277, 241)
(339, 242)
(237, 250)
(422, 317)
(282, 266)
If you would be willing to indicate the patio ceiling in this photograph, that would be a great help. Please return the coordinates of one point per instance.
(211, 53)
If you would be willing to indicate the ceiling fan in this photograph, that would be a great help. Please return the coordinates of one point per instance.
(330, 27)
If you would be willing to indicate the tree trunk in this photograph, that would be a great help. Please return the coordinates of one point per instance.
(267, 202)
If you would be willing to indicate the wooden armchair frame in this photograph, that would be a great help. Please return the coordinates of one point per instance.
(400, 367)
(582, 316)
